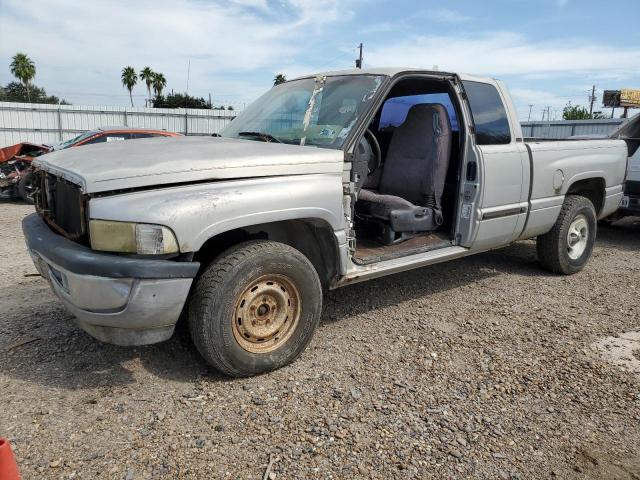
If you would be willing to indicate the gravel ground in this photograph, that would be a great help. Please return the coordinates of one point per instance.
(481, 367)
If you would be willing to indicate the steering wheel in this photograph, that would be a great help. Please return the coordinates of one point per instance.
(376, 160)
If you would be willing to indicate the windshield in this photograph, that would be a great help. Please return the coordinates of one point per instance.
(319, 112)
(74, 140)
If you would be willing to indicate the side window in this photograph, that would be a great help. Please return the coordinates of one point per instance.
(489, 116)
(395, 110)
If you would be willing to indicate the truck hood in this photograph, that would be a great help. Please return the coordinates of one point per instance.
(162, 161)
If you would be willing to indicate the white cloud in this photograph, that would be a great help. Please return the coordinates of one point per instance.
(505, 53)
(82, 46)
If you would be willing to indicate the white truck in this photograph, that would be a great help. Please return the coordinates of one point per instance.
(324, 181)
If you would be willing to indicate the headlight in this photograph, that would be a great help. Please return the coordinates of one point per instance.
(125, 237)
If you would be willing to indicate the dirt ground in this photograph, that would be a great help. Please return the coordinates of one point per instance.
(483, 367)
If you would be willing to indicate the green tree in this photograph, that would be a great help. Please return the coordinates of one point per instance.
(23, 68)
(159, 82)
(129, 80)
(180, 100)
(279, 78)
(577, 112)
(17, 92)
(148, 76)
(574, 112)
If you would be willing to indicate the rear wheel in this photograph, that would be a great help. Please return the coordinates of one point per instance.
(255, 308)
(566, 249)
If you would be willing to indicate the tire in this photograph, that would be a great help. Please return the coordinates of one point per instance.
(575, 225)
(25, 187)
(255, 308)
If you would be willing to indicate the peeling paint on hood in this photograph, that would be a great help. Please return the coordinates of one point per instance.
(148, 162)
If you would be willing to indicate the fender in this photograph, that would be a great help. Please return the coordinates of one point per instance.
(200, 211)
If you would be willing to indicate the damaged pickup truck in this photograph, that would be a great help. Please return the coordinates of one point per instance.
(322, 182)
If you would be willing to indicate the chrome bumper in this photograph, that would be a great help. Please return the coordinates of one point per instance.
(134, 303)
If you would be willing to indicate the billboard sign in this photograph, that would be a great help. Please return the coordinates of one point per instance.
(611, 98)
(630, 97)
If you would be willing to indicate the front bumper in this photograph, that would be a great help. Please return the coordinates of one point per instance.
(117, 299)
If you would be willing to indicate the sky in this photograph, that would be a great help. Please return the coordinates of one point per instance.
(548, 52)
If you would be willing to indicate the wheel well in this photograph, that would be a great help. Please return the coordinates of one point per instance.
(591, 188)
(312, 237)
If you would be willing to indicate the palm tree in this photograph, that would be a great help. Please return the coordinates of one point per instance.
(129, 80)
(24, 70)
(279, 78)
(147, 75)
(159, 82)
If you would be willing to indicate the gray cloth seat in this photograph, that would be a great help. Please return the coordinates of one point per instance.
(409, 195)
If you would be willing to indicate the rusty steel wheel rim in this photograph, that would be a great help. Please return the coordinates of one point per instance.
(266, 314)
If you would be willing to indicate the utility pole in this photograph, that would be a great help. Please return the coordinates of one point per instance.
(359, 60)
(592, 99)
(529, 117)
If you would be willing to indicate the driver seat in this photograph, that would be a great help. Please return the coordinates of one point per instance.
(408, 197)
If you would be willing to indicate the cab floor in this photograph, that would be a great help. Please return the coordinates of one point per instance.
(368, 250)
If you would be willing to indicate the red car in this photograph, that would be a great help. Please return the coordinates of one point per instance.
(15, 161)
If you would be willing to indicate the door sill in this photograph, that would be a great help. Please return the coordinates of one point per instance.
(360, 273)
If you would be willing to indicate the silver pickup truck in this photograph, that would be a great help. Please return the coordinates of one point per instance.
(322, 182)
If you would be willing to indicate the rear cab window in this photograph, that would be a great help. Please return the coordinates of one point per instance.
(488, 112)
(395, 110)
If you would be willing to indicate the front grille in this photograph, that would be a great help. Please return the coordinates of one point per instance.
(62, 206)
(632, 187)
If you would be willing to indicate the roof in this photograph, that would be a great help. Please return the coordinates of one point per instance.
(130, 129)
(391, 71)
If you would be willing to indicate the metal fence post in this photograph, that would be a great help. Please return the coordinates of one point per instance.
(59, 125)
(125, 117)
(186, 122)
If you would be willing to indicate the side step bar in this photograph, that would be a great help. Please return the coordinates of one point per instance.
(361, 273)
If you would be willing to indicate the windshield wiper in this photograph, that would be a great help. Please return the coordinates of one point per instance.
(267, 137)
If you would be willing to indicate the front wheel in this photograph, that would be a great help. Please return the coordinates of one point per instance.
(566, 249)
(255, 308)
